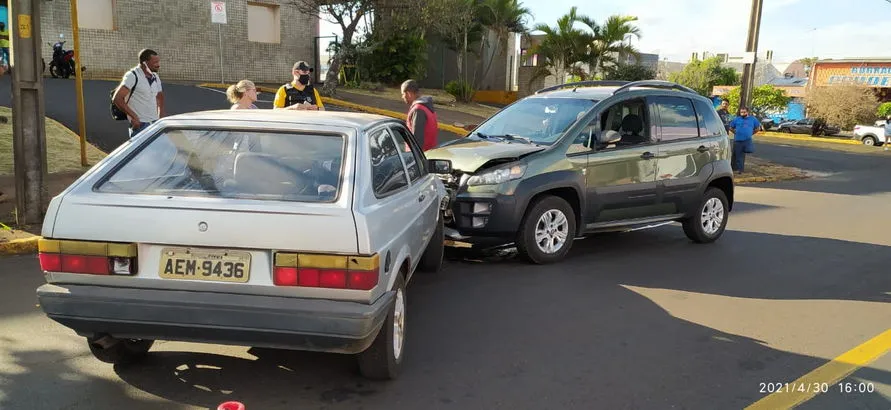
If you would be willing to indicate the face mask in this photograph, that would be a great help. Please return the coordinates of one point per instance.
(304, 79)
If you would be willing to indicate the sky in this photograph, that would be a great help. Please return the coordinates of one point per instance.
(792, 29)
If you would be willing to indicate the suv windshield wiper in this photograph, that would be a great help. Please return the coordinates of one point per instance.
(506, 137)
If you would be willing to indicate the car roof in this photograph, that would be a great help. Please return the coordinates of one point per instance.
(329, 118)
(601, 90)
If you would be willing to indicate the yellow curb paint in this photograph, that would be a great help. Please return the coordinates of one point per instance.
(346, 104)
(19, 246)
(815, 139)
(829, 373)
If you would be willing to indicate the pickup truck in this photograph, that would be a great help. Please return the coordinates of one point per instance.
(870, 135)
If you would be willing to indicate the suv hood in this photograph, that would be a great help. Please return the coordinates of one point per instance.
(468, 155)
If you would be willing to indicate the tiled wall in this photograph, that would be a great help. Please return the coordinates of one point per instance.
(188, 43)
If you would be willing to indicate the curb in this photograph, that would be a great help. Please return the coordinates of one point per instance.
(19, 246)
(814, 139)
(346, 104)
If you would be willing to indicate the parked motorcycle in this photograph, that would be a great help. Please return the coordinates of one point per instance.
(62, 64)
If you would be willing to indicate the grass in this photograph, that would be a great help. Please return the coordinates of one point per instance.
(761, 170)
(440, 98)
(62, 147)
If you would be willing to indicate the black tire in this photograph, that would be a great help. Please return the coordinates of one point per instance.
(54, 70)
(693, 227)
(786, 130)
(526, 243)
(871, 141)
(123, 351)
(431, 260)
(381, 361)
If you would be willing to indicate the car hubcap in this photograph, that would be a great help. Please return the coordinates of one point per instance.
(551, 231)
(868, 141)
(398, 324)
(712, 216)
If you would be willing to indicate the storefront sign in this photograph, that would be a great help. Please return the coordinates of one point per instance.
(864, 74)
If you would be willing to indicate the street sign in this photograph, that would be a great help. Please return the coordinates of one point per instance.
(218, 12)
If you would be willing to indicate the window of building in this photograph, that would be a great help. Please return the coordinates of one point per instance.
(95, 14)
(264, 23)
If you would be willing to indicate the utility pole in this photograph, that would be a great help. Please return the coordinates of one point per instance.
(79, 84)
(748, 77)
(29, 130)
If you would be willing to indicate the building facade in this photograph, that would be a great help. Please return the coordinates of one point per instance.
(872, 73)
(260, 40)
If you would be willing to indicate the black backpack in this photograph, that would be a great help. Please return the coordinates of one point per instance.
(116, 112)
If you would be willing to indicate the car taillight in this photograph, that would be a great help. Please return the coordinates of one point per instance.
(93, 258)
(326, 271)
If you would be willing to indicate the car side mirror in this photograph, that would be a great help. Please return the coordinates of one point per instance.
(440, 166)
(609, 137)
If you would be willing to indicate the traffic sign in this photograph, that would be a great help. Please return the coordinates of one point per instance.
(218, 12)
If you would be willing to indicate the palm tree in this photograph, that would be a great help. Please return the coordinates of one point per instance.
(609, 47)
(563, 47)
(501, 17)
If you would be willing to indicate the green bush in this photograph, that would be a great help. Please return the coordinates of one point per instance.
(884, 110)
(462, 91)
(396, 58)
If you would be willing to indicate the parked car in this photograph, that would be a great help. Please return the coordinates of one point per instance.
(262, 228)
(806, 126)
(589, 157)
(870, 135)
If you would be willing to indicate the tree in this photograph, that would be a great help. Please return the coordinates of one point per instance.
(703, 75)
(842, 105)
(884, 110)
(629, 72)
(457, 23)
(765, 99)
(608, 45)
(808, 63)
(501, 17)
(347, 14)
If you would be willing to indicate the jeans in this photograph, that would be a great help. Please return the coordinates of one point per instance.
(142, 126)
(6, 55)
(738, 161)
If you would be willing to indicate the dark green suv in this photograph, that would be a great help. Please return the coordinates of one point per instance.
(589, 157)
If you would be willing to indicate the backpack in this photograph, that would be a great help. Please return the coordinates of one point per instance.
(116, 112)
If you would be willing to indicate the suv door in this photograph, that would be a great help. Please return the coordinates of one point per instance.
(620, 177)
(683, 150)
(421, 180)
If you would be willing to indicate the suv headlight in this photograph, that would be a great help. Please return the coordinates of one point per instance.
(498, 176)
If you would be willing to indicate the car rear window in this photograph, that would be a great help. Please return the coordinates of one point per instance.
(234, 164)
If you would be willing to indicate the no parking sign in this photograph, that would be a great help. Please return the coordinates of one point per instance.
(218, 12)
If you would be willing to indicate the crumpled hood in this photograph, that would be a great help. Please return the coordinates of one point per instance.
(426, 101)
(469, 155)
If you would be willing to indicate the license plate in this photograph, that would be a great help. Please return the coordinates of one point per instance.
(202, 264)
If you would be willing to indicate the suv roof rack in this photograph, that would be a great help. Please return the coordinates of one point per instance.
(655, 84)
(603, 83)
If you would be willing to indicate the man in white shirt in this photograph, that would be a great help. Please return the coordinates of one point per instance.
(140, 94)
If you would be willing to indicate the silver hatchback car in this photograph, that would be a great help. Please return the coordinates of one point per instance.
(284, 229)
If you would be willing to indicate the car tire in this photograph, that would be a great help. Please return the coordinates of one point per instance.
(431, 260)
(870, 141)
(123, 351)
(786, 130)
(714, 204)
(549, 208)
(383, 360)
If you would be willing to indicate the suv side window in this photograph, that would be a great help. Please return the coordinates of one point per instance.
(410, 152)
(629, 118)
(677, 118)
(710, 123)
(387, 170)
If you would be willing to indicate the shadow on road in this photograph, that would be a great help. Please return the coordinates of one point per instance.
(609, 324)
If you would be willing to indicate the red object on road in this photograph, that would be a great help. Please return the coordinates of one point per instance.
(231, 405)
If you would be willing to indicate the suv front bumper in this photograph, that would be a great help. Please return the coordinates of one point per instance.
(482, 219)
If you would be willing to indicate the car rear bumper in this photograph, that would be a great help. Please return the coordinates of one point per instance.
(246, 320)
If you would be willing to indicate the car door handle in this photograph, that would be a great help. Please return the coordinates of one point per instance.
(422, 198)
(647, 155)
(702, 148)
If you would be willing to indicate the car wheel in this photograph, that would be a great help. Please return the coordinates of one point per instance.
(547, 231)
(711, 218)
(869, 141)
(383, 359)
(786, 130)
(431, 260)
(119, 351)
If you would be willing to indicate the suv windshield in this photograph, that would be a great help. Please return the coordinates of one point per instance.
(541, 120)
(234, 164)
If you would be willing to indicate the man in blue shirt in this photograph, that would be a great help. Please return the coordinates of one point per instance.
(743, 128)
(887, 132)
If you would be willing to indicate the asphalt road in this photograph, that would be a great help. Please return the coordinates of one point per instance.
(642, 320)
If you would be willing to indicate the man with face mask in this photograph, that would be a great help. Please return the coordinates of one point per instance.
(744, 128)
(299, 94)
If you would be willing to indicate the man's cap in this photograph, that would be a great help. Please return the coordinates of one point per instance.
(301, 65)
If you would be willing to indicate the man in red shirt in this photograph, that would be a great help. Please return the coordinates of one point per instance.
(421, 119)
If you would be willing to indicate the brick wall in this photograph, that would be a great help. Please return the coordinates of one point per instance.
(188, 43)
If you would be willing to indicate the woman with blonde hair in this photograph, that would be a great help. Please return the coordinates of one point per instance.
(242, 95)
